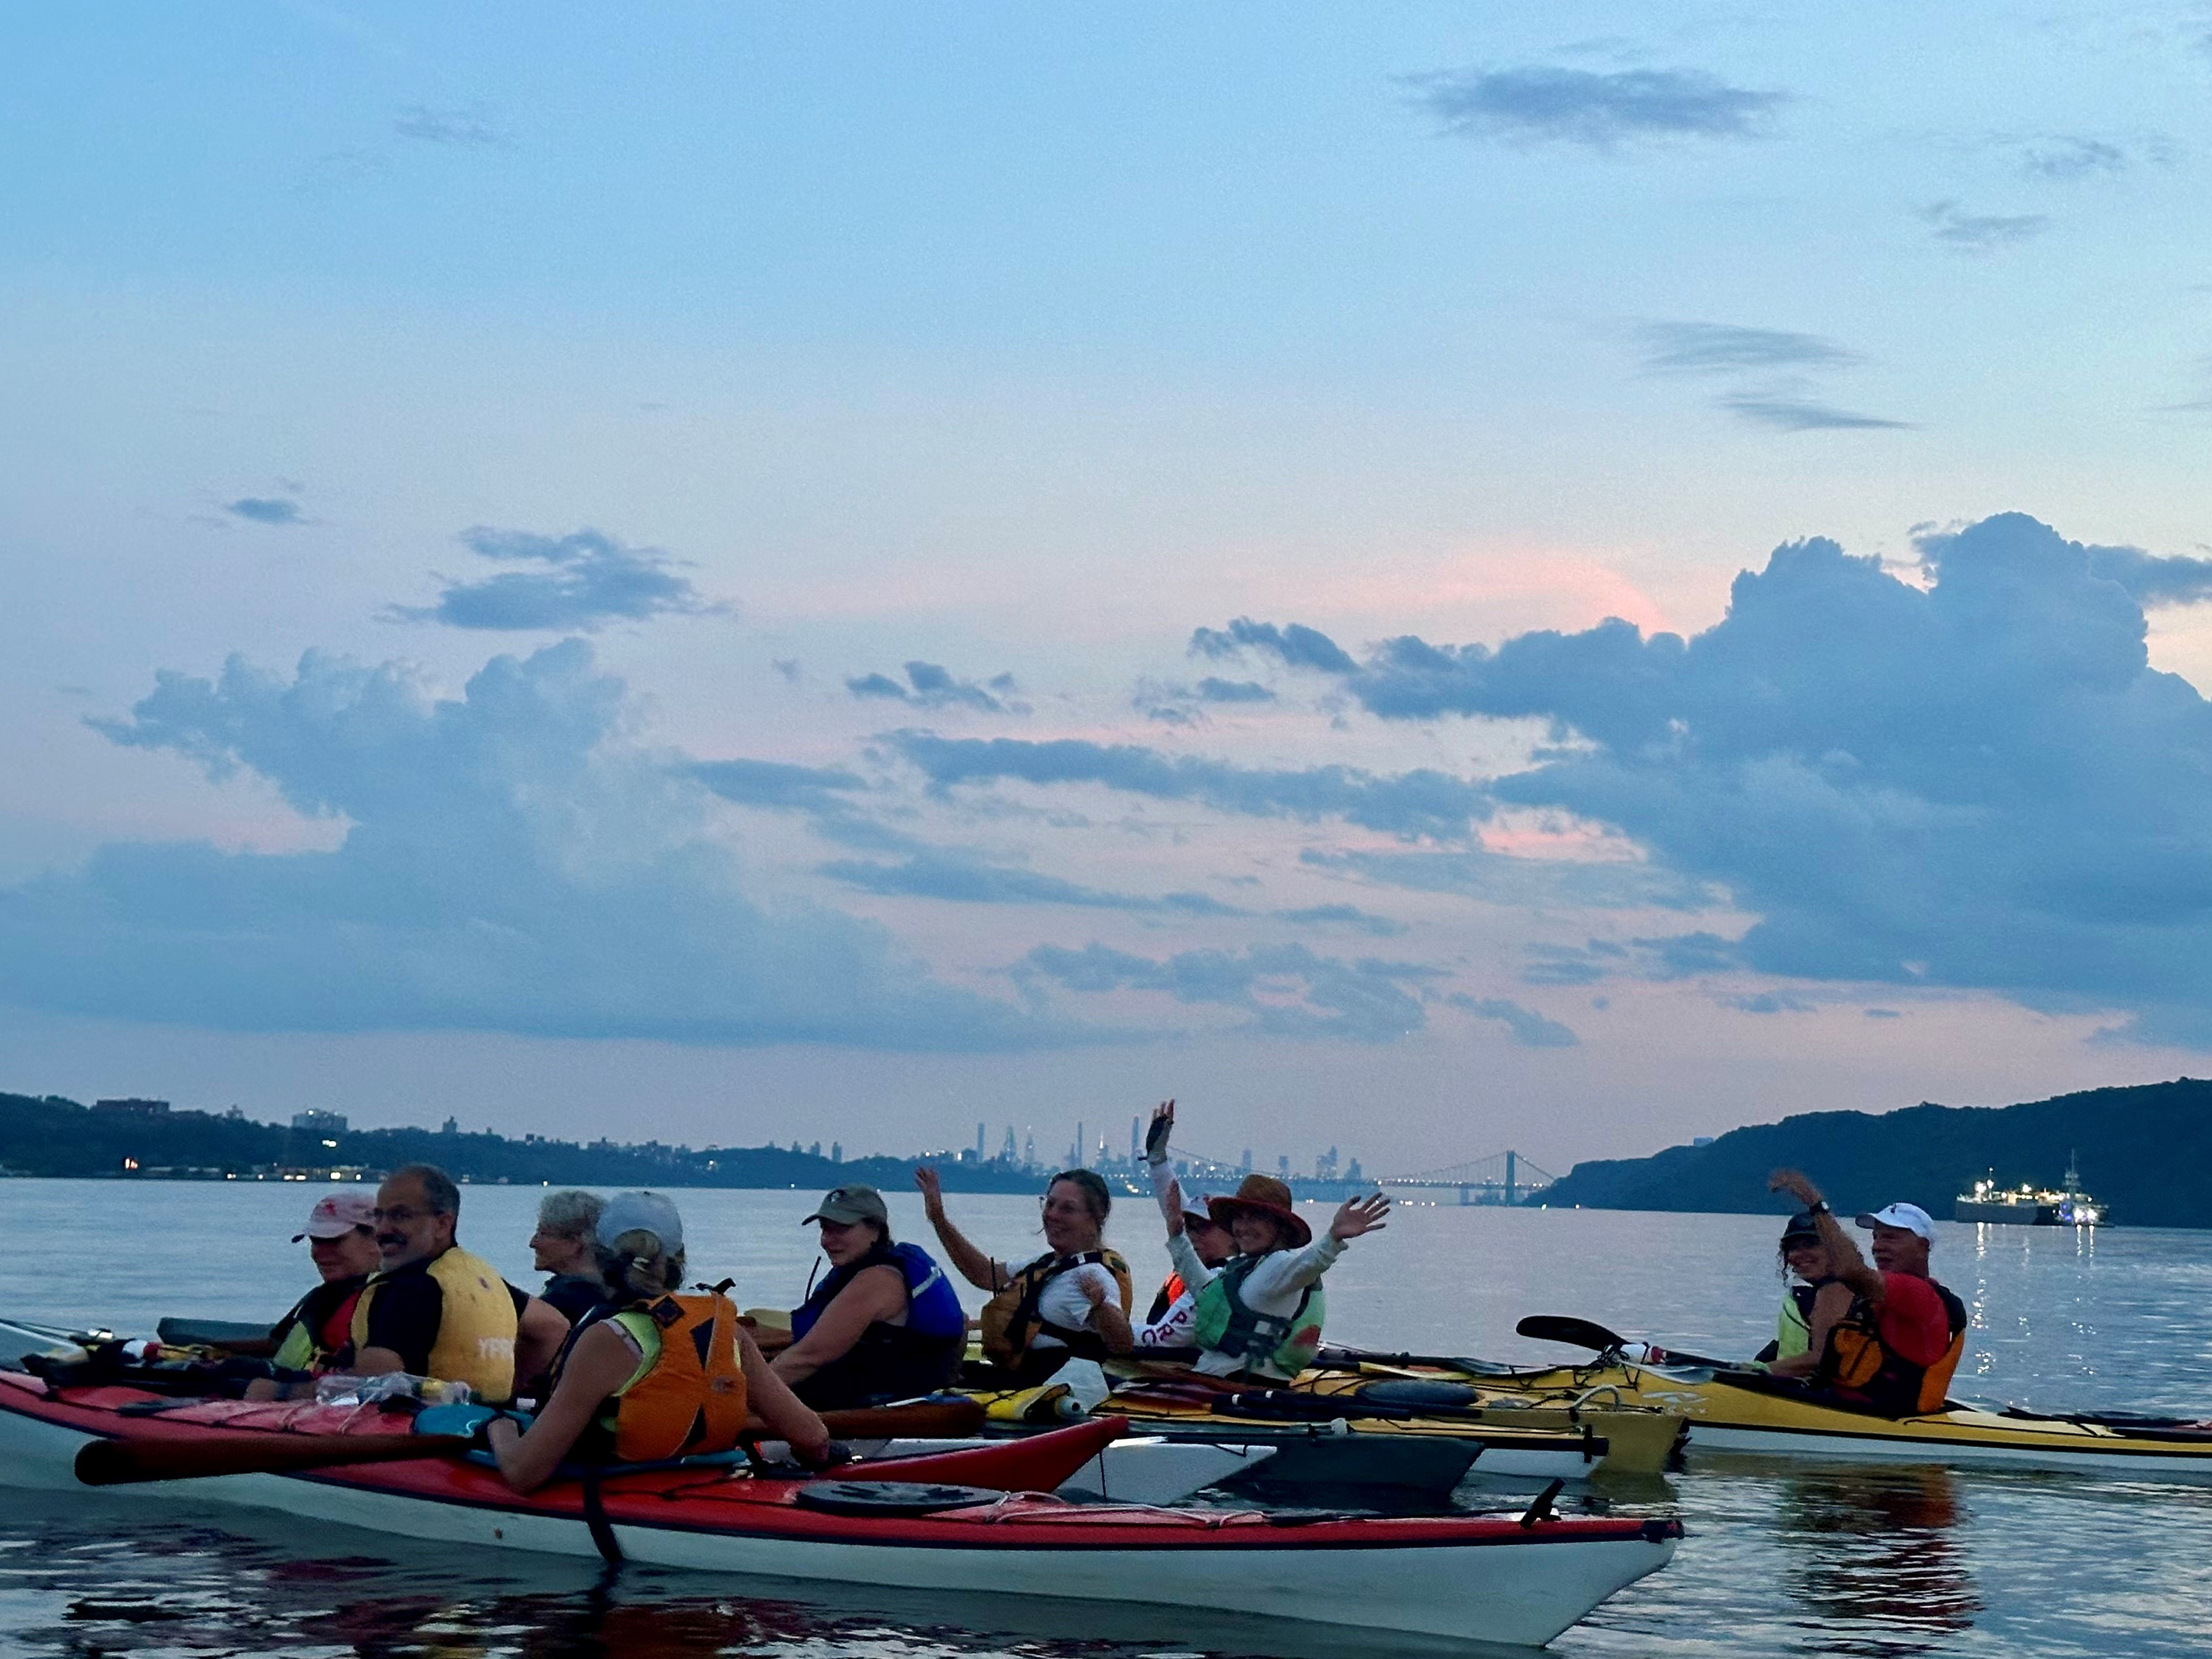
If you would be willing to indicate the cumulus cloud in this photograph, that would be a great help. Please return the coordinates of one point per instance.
(266, 509)
(1422, 803)
(589, 579)
(931, 685)
(1530, 1029)
(1981, 783)
(510, 863)
(1285, 990)
(1978, 233)
(1544, 104)
(1297, 645)
(2174, 580)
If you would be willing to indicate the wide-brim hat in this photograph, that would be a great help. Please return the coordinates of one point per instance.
(1267, 1196)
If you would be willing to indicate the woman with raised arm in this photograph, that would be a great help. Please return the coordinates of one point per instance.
(1258, 1315)
(1072, 1301)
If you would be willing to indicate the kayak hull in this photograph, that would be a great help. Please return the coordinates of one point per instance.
(1454, 1579)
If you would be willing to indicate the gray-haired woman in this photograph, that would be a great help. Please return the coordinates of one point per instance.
(562, 1246)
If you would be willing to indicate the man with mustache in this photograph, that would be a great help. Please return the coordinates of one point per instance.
(434, 1310)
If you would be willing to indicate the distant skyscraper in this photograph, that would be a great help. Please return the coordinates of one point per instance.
(979, 1143)
(1077, 1159)
(1136, 1138)
(836, 1151)
(1283, 1165)
(1245, 1167)
(1029, 1148)
(1008, 1154)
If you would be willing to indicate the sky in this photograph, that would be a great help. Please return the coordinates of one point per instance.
(1423, 579)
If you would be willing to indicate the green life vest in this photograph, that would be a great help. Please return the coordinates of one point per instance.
(1278, 1345)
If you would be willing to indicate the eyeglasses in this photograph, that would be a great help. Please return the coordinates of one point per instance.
(399, 1215)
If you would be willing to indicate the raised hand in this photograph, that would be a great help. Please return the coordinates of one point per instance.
(1156, 1137)
(1356, 1216)
(933, 1195)
(1793, 1181)
(1094, 1291)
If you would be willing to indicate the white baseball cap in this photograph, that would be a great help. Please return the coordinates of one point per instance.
(337, 1214)
(1910, 1217)
(1193, 1206)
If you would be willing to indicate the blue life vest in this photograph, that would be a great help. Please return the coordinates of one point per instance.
(890, 1362)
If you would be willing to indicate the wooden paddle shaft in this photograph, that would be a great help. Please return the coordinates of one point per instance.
(123, 1462)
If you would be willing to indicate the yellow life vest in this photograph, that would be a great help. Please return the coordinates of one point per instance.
(688, 1394)
(476, 1325)
(1011, 1321)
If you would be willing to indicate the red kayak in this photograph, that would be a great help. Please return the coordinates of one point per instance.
(970, 1520)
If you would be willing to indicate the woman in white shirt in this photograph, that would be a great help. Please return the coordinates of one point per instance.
(1072, 1301)
(1258, 1315)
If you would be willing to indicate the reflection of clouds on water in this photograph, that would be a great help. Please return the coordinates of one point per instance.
(1873, 1554)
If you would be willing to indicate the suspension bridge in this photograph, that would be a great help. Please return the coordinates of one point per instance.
(1506, 1177)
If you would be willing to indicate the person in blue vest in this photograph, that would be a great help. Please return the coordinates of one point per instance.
(884, 1325)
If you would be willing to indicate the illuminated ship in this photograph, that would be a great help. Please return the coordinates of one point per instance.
(2030, 1206)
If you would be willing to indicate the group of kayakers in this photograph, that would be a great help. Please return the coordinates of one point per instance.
(624, 1363)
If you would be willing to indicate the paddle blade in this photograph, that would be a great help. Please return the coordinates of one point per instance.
(126, 1462)
(1577, 1333)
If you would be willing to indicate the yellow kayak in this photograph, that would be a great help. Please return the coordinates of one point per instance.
(1740, 1410)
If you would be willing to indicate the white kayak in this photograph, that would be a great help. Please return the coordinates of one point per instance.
(1441, 1580)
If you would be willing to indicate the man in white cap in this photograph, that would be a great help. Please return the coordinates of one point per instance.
(1894, 1347)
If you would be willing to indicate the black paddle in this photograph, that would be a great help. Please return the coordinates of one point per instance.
(1335, 1358)
(1589, 1333)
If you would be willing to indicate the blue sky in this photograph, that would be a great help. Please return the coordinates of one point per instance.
(1426, 579)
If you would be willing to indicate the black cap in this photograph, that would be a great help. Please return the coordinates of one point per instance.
(1802, 1225)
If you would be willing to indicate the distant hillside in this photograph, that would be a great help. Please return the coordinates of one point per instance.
(52, 1136)
(2145, 1152)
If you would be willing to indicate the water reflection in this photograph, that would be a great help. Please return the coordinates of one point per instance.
(1875, 1558)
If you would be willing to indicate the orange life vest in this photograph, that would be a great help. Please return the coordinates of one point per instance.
(1857, 1362)
(692, 1397)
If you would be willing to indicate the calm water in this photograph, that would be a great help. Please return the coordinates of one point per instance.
(1781, 1560)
